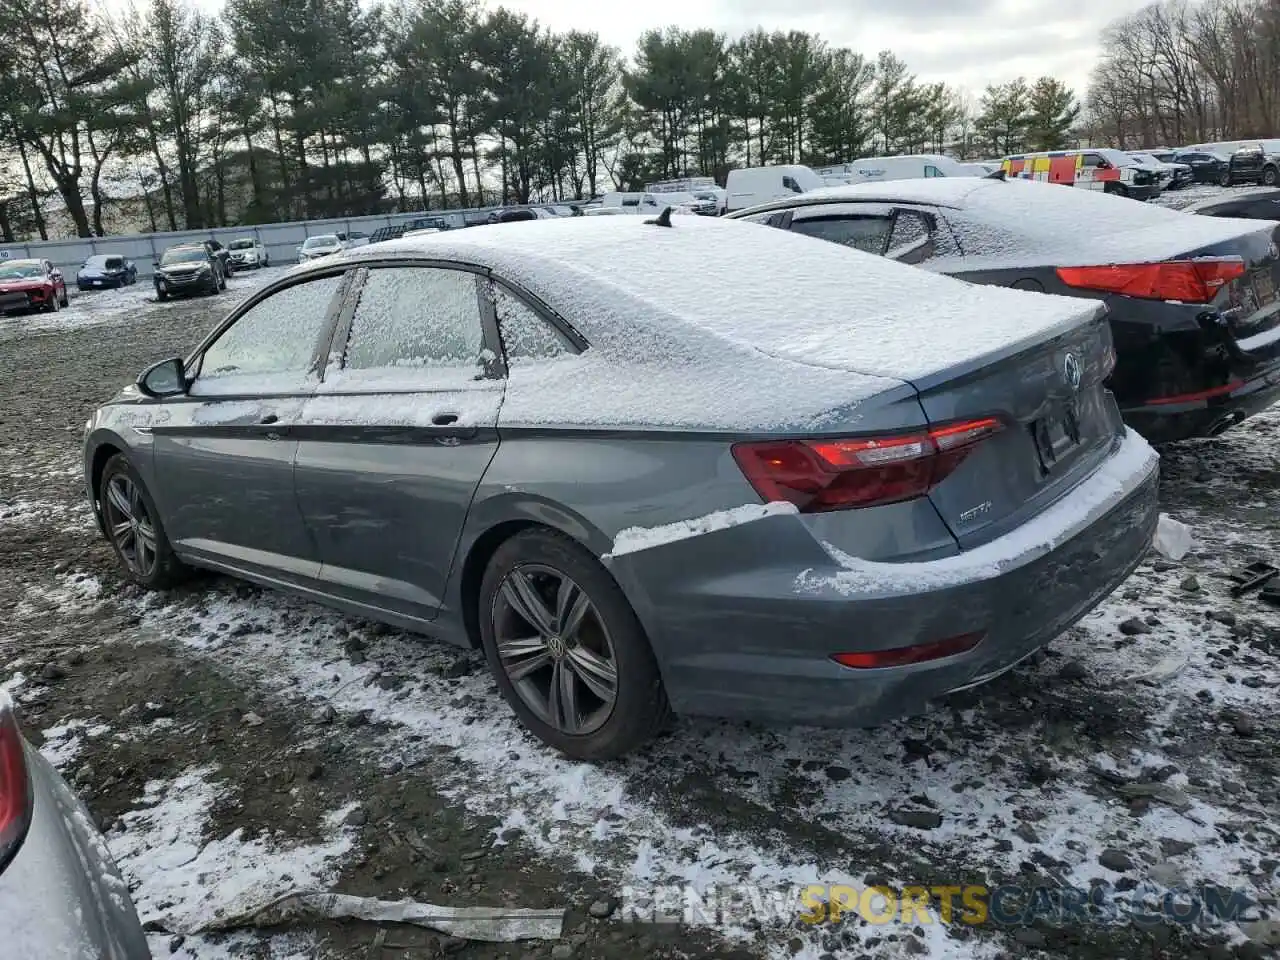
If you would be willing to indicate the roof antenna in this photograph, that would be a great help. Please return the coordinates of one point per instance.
(995, 175)
(663, 219)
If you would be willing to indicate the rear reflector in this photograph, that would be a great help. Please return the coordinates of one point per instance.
(838, 474)
(919, 653)
(1190, 281)
(15, 788)
(1198, 394)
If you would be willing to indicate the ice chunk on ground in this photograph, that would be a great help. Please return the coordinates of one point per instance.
(1173, 539)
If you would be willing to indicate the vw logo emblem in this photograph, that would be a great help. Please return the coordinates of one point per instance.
(556, 647)
(1071, 371)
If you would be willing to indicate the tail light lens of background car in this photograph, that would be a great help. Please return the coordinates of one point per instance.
(1189, 281)
(15, 786)
(839, 474)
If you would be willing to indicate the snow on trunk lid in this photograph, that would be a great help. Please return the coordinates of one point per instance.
(1058, 422)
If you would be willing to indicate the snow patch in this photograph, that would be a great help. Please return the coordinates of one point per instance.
(64, 741)
(633, 539)
(185, 882)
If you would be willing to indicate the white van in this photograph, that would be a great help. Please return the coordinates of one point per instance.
(913, 167)
(756, 185)
(629, 202)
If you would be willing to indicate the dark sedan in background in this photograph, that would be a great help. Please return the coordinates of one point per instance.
(105, 270)
(1207, 166)
(1192, 300)
(60, 893)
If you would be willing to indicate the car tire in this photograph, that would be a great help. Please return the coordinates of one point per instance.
(1269, 177)
(162, 295)
(1116, 189)
(66, 300)
(606, 636)
(1224, 180)
(52, 305)
(147, 558)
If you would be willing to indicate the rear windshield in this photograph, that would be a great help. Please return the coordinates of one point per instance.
(1020, 217)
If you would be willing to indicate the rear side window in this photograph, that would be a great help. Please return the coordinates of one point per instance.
(911, 239)
(525, 334)
(415, 317)
(869, 234)
(275, 336)
(789, 183)
(931, 171)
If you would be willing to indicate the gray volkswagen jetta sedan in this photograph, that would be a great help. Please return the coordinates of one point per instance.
(60, 893)
(647, 465)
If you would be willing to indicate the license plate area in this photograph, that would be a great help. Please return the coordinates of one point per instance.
(1056, 434)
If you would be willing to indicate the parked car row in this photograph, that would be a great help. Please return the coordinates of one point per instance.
(961, 372)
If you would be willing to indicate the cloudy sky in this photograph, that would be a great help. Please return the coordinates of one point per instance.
(966, 43)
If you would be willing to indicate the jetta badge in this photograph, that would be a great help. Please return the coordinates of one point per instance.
(1071, 371)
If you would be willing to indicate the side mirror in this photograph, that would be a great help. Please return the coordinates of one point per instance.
(168, 378)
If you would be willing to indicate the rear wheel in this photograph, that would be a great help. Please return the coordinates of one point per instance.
(567, 650)
(133, 528)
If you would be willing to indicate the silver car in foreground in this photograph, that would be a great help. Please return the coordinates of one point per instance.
(647, 464)
(60, 893)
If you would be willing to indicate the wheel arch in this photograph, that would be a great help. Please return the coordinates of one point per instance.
(493, 522)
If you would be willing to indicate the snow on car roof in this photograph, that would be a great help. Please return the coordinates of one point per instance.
(632, 288)
(1026, 221)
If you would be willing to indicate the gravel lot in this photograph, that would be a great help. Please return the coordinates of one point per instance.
(238, 744)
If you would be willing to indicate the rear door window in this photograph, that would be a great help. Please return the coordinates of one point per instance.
(867, 233)
(411, 318)
(526, 335)
(911, 239)
(789, 183)
(931, 171)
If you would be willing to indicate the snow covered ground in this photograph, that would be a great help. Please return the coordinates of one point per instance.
(238, 744)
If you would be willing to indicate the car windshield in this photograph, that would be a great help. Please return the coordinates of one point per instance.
(1118, 159)
(320, 242)
(1144, 158)
(183, 255)
(20, 271)
(240, 245)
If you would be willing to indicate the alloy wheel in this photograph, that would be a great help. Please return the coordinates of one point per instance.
(130, 525)
(555, 649)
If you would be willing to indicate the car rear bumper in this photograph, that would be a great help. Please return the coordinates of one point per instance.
(751, 634)
(1170, 422)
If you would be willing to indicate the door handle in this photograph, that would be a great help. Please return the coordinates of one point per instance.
(269, 418)
(444, 419)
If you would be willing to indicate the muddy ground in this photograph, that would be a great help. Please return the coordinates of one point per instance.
(236, 744)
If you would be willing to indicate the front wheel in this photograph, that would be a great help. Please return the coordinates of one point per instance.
(133, 527)
(567, 650)
(51, 305)
(1116, 189)
(1224, 180)
(162, 295)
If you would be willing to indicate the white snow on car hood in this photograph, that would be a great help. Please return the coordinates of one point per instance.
(707, 289)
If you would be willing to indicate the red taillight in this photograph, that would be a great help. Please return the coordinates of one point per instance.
(1191, 281)
(15, 789)
(917, 653)
(839, 474)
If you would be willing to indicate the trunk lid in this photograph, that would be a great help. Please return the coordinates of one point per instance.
(1059, 423)
(1250, 305)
